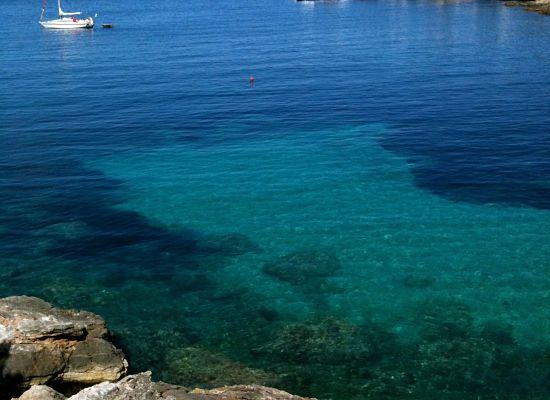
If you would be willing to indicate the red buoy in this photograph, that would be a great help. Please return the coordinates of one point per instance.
(251, 80)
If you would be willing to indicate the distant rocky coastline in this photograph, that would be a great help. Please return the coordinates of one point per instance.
(47, 353)
(539, 6)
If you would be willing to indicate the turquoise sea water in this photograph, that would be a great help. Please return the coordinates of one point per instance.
(371, 220)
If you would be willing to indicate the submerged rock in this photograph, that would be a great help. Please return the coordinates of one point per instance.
(194, 366)
(329, 358)
(388, 383)
(444, 319)
(414, 281)
(300, 267)
(327, 342)
(458, 365)
(498, 333)
(41, 344)
(229, 244)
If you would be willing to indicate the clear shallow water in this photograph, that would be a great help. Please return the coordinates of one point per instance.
(399, 152)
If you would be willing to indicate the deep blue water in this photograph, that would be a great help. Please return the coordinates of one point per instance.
(370, 220)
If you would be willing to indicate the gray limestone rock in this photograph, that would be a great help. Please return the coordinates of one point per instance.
(141, 387)
(41, 392)
(40, 343)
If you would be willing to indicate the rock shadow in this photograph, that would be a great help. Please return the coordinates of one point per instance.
(8, 381)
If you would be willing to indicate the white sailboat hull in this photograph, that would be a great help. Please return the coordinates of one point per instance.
(68, 23)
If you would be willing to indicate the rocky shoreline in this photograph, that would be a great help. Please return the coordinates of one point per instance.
(47, 353)
(538, 6)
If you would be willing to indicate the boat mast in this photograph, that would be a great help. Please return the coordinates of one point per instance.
(43, 9)
(59, 12)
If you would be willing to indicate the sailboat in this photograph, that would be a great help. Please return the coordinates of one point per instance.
(66, 20)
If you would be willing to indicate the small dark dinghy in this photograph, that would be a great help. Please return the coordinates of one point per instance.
(106, 25)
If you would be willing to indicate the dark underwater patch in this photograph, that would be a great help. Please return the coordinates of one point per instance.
(303, 267)
(230, 244)
(484, 185)
(417, 281)
(62, 210)
(329, 341)
(73, 246)
(198, 367)
(503, 165)
(444, 319)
